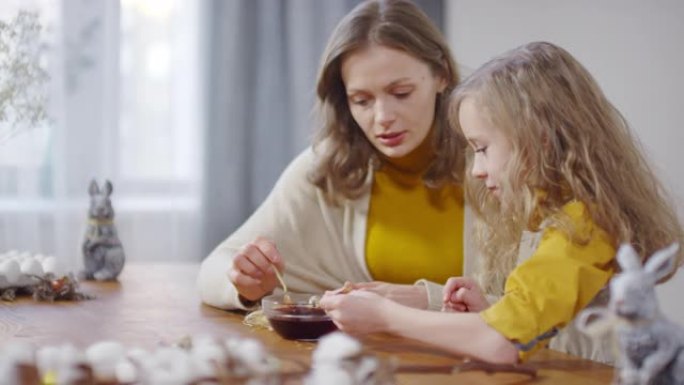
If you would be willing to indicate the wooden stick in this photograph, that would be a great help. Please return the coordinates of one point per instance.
(468, 366)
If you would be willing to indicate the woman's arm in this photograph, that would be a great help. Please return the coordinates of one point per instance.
(464, 334)
(244, 258)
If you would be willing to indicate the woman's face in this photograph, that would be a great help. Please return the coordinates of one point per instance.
(391, 96)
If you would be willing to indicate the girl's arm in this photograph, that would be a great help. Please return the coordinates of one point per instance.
(414, 296)
(464, 334)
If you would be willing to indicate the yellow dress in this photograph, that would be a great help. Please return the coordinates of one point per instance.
(413, 231)
(546, 291)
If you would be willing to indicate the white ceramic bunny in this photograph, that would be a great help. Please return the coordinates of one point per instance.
(103, 254)
(651, 347)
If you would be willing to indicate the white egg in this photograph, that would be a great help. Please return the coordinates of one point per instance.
(11, 270)
(50, 265)
(25, 255)
(31, 267)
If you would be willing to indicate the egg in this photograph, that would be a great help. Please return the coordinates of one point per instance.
(24, 255)
(50, 265)
(31, 267)
(11, 271)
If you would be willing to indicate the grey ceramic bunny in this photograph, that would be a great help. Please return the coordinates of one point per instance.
(651, 347)
(103, 254)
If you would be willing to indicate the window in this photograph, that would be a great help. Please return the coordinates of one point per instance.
(125, 104)
(160, 120)
(24, 148)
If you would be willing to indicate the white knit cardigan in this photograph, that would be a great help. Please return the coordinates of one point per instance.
(323, 245)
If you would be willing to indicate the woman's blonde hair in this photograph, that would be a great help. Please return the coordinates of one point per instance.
(343, 151)
(569, 143)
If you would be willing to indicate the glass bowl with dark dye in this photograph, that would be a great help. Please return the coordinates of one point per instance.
(295, 317)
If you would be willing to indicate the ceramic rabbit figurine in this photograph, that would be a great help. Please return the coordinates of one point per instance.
(103, 254)
(651, 347)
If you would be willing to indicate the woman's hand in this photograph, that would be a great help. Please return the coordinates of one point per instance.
(408, 295)
(358, 312)
(252, 270)
(463, 294)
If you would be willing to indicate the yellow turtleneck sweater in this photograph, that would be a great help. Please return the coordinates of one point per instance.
(413, 231)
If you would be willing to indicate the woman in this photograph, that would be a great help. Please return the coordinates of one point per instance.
(378, 196)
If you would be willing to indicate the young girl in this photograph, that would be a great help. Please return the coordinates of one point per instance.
(555, 170)
(379, 195)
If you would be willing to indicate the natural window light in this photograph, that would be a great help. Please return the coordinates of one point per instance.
(125, 104)
(159, 111)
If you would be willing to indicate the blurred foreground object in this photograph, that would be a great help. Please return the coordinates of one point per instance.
(651, 347)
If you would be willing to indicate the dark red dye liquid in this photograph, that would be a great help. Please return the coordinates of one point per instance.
(297, 322)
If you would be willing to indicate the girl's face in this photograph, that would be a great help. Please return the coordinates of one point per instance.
(391, 96)
(492, 150)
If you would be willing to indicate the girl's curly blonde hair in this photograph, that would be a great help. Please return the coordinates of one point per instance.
(343, 151)
(569, 143)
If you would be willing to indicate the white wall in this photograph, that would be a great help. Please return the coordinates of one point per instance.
(634, 48)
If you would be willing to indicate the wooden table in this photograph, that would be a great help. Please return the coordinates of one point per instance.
(155, 304)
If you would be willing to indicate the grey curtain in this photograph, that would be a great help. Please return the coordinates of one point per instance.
(263, 61)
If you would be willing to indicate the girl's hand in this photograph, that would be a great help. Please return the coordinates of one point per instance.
(408, 295)
(252, 270)
(463, 294)
(359, 312)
